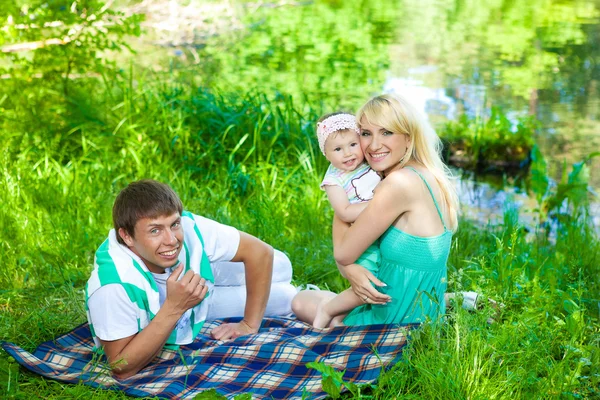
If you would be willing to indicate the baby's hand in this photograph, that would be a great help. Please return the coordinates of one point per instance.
(365, 184)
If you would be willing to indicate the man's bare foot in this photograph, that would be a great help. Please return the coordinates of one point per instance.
(322, 319)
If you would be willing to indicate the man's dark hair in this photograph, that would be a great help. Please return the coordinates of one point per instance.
(143, 199)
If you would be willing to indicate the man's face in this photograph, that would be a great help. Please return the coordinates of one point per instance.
(157, 241)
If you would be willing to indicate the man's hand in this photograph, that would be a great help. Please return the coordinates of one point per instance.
(185, 293)
(128, 355)
(360, 278)
(232, 331)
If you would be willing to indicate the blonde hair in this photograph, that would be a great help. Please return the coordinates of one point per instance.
(397, 115)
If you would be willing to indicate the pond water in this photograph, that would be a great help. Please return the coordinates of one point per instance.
(529, 57)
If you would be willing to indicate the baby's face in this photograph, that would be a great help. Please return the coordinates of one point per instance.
(343, 151)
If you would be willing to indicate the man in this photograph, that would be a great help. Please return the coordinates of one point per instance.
(152, 283)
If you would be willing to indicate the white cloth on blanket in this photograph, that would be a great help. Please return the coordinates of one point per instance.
(230, 301)
(229, 273)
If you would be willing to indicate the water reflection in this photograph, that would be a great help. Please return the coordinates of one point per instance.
(486, 202)
(482, 198)
(431, 101)
(534, 57)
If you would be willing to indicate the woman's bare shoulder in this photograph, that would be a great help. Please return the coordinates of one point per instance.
(396, 188)
(401, 179)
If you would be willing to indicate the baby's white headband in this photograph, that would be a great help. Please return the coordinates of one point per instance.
(332, 124)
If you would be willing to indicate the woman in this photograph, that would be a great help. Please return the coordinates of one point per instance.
(413, 214)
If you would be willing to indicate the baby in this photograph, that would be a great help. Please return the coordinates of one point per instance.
(349, 183)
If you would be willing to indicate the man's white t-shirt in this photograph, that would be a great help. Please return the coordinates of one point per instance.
(113, 314)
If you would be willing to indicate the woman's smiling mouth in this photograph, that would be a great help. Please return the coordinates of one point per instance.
(377, 156)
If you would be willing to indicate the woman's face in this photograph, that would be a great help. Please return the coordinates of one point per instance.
(383, 149)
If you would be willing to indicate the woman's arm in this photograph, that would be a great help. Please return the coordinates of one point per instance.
(360, 278)
(341, 205)
(389, 202)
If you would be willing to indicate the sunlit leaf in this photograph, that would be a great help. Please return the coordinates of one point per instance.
(538, 178)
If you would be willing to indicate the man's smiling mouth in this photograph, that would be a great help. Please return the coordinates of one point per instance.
(169, 253)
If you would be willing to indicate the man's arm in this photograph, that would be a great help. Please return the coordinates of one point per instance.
(129, 355)
(341, 205)
(257, 257)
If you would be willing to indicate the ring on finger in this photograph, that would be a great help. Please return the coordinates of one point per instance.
(366, 298)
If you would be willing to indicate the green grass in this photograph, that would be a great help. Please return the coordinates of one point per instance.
(252, 161)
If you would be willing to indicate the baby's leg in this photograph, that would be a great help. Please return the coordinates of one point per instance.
(337, 321)
(330, 308)
(306, 303)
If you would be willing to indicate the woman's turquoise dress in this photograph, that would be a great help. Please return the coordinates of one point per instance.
(414, 269)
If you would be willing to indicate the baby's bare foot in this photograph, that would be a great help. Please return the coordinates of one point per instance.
(322, 318)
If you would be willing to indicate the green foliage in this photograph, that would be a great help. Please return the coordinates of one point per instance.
(521, 358)
(566, 198)
(211, 394)
(71, 37)
(65, 50)
(333, 380)
(489, 142)
(539, 180)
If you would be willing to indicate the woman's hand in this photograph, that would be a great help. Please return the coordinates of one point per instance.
(360, 278)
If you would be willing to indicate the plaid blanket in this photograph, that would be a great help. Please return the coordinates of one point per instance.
(269, 364)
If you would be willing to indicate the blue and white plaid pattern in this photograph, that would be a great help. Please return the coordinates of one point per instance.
(269, 364)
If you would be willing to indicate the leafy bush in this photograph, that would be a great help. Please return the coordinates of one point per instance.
(569, 198)
(56, 56)
(492, 143)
